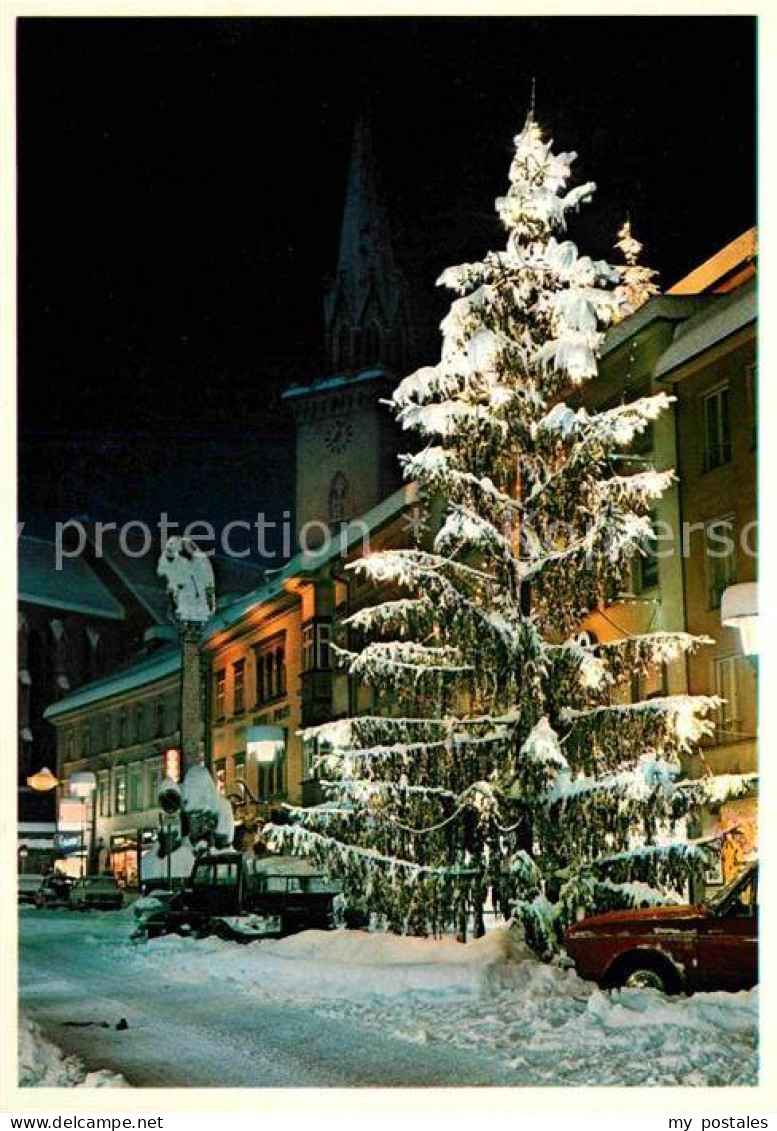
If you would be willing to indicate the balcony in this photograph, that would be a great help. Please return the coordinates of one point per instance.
(316, 696)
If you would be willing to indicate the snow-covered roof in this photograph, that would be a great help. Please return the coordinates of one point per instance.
(662, 308)
(335, 381)
(165, 662)
(72, 588)
(720, 317)
(304, 564)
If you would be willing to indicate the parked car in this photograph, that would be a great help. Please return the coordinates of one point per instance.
(28, 886)
(706, 946)
(54, 891)
(100, 893)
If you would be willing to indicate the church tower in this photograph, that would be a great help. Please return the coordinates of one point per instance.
(347, 441)
(366, 320)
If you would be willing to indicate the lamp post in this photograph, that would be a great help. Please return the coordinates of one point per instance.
(83, 785)
(43, 780)
(265, 744)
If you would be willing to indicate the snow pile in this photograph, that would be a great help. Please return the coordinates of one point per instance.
(488, 997)
(43, 1065)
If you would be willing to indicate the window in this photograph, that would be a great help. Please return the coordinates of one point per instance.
(717, 429)
(238, 686)
(120, 792)
(271, 669)
(644, 441)
(140, 723)
(719, 557)
(135, 790)
(159, 718)
(122, 741)
(220, 768)
(221, 694)
(316, 645)
(338, 497)
(646, 565)
(104, 796)
(107, 733)
(239, 762)
(728, 685)
(86, 740)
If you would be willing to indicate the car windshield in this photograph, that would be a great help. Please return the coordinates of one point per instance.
(717, 901)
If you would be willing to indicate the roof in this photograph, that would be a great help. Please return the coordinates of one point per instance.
(723, 270)
(336, 381)
(304, 564)
(661, 308)
(719, 318)
(72, 586)
(149, 669)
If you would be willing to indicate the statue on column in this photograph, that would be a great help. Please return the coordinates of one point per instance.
(190, 583)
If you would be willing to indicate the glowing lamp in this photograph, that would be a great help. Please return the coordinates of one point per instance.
(739, 609)
(43, 780)
(83, 784)
(265, 744)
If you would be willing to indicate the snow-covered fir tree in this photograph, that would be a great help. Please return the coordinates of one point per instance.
(503, 759)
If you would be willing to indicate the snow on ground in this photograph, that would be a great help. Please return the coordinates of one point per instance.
(538, 1024)
(43, 1065)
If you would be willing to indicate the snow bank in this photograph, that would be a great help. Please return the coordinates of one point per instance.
(43, 1065)
(363, 948)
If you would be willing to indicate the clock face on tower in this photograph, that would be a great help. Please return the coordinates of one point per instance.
(338, 435)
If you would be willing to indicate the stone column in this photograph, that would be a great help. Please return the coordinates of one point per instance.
(191, 696)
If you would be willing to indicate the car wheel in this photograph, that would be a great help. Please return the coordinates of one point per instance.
(646, 979)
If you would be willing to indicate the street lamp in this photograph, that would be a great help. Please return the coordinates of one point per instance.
(739, 609)
(43, 780)
(265, 744)
(83, 785)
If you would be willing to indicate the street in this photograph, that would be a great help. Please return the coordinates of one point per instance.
(348, 1009)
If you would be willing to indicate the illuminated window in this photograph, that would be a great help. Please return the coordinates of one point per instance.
(238, 686)
(270, 668)
(220, 769)
(221, 694)
(120, 792)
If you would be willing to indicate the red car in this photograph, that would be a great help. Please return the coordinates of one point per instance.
(705, 946)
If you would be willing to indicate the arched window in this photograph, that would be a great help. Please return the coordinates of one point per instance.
(338, 497)
(371, 343)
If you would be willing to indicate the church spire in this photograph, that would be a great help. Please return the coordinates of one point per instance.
(365, 315)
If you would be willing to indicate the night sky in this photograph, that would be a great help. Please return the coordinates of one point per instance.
(180, 193)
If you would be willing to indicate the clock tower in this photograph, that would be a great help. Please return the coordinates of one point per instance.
(347, 441)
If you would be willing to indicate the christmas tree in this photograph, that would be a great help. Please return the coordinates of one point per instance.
(505, 762)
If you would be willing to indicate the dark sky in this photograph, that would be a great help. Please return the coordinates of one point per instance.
(181, 189)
